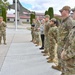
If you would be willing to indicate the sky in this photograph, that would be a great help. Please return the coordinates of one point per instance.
(43, 5)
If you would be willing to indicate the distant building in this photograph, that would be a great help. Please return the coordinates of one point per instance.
(24, 18)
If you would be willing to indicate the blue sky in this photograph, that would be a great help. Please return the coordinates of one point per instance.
(26, 5)
(43, 5)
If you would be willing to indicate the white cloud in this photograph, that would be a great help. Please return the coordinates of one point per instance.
(43, 5)
(11, 11)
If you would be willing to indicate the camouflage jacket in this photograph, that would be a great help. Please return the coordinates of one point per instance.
(64, 29)
(53, 33)
(46, 29)
(2, 26)
(69, 46)
(37, 25)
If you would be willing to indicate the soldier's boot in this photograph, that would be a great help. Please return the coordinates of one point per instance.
(44, 51)
(48, 58)
(0, 43)
(50, 61)
(34, 42)
(37, 43)
(4, 42)
(31, 41)
(45, 54)
(57, 67)
(0, 40)
(62, 74)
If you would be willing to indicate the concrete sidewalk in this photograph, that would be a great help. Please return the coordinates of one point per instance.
(22, 57)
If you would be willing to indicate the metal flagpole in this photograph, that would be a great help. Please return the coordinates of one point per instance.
(16, 14)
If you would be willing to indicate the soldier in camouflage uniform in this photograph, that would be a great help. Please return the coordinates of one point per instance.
(2, 30)
(68, 53)
(37, 30)
(52, 35)
(64, 29)
(32, 30)
(46, 41)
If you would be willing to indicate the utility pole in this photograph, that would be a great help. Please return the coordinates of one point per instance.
(16, 14)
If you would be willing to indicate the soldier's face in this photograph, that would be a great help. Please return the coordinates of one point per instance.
(63, 12)
(51, 22)
(46, 19)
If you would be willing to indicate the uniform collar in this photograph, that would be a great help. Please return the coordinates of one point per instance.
(65, 19)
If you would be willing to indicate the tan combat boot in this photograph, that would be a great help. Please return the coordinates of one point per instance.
(57, 67)
(0, 42)
(50, 61)
(45, 54)
(44, 51)
(4, 42)
(48, 58)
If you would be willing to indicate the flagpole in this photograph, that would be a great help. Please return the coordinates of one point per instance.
(16, 15)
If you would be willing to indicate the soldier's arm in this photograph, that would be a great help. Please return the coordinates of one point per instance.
(4, 24)
(55, 34)
(70, 51)
(69, 25)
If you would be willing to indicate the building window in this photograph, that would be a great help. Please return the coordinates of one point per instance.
(8, 19)
(27, 20)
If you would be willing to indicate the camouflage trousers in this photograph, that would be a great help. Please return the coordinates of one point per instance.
(60, 61)
(46, 44)
(59, 50)
(3, 35)
(70, 66)
(37, 38)
(33, 35)
(52, 44)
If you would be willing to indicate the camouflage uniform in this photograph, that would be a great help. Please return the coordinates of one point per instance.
(3, 31)
(37, 27)
(64, 30)
(52, 34)
(69, 53)
(32, 30)
(46, 29)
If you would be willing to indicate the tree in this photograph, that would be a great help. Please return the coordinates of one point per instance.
(46, 12)
(51, 12)
(3, 8)
(4, 13)
(32, 16)
(4, 3)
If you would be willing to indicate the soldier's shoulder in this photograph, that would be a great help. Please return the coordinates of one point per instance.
(70, 19)
(55, 28)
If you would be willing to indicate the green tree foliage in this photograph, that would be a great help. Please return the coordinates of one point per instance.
(3, 8)
(4, 13)
(46, 12)
(51, 12)
(57, 18)
(32, 16)
(4, 3)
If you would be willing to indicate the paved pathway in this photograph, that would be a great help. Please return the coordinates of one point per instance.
(22, 57)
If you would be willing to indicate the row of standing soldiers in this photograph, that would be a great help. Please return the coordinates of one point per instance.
(61, 34)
